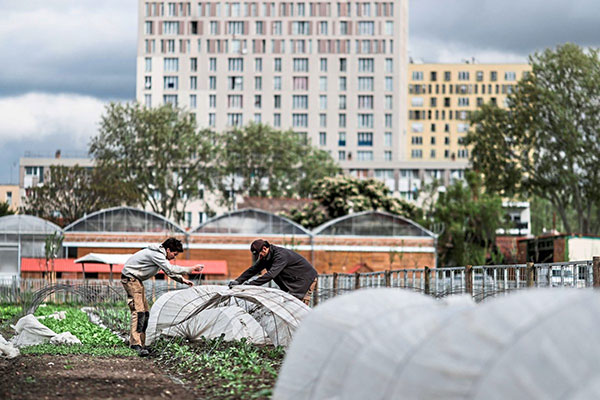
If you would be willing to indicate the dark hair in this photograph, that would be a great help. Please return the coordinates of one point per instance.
(173, 245)
(258, 245)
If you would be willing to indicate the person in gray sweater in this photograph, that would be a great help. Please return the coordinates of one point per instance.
(144, 265)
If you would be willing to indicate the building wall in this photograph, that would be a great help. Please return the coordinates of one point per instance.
(11, 194)
(440, 99)
(204, 43)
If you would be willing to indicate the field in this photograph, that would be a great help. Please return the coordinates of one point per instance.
(104, 367)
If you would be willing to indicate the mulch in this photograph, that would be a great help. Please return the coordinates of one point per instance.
(87, 377)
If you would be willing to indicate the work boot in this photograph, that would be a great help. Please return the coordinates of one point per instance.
(142, 352)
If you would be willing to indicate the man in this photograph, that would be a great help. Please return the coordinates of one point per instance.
(144, 265)
(290, 271)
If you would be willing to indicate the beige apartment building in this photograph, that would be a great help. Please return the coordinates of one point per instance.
(11, 194)
(334, 72)
(441, 98)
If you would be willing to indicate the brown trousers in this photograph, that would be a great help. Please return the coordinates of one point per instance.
(308, 295)
(138, 305)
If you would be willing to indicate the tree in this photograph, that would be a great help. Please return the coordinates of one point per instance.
(258, 160)
(5, 209)
(341, 195)
(470, 217)
(547, 143)
(158, 153)
(72, 192)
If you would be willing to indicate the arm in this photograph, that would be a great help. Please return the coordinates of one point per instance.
(174, 271)
(250, 272)
(279, 263)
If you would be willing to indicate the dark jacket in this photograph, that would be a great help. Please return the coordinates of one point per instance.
(290, 271)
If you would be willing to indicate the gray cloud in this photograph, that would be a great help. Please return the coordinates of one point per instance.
(69, 46)
(491, 28)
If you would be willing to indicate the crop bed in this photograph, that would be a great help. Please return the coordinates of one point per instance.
(104, 367)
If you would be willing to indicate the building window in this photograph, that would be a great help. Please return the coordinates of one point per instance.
(148, 100)
(277, 101)
(365, 84)
(510, 76)
(417, 75)
(389, 104)
(388, 120)
(212, 100)
(148, 64)
(365, 120)
(342, 120)
(300, 120)
(235, 83)
(323, 65)
(277, 120)
(257, 101)
(387, 139)
(342, 101)
(322, 138)
(277, 64)
(366, 65)
(193, 101)
(387, 155)
(147, 82)
(171, 64)
(365, 138)
(493, 76)
(300, 102)
(212, 82)
(170, 99)
(258, 65)
(342, 139)
(463, 75)
(236, 64)
(447, 76)
(363, 155)
(323, 83)
(463, 101)
(343, 65)
(342, 155)
(300, 64)
(235, 119)
(234, 101)
(389, 27)
(389, 83)
(389, 65)
(323, 120)
(212, 64)
(257, 83)
(366, 28)
(418, 153)
(259, 27)
(323, 28)
(365, 102)
(300, 83)
(416, 140)
(212, 120)
(323, 102)
(277, 83)
(258, 118)
(171, 82)
(343, 28)
(342, 83)
(193, 82)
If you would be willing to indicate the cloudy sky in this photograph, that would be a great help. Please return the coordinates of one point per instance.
(63, 60)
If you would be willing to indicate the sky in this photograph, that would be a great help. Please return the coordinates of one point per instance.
(64, 60)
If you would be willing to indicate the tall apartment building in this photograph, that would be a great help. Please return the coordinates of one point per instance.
(441, 99)
(334, 72)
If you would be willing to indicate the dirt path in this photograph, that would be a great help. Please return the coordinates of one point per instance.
(86, 377)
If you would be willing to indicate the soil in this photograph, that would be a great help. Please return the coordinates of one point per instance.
(87, 377)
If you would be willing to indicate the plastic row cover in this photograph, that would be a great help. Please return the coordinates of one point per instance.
(389, 344)
(260, 314)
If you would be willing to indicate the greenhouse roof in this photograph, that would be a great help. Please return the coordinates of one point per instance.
(24, 224)
(372, 223)
(252, 222)
(124, 219)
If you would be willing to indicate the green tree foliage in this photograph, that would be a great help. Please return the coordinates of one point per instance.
(157, 153)
(258, 160)
(341, 195)
(5, 209)
(470, 217)
(72, 192)
(547, 143)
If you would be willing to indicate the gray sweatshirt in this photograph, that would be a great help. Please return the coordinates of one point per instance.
(147, 262)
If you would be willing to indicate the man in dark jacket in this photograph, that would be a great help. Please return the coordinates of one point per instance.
(290, 271)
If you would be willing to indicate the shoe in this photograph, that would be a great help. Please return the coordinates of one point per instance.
(142, 352)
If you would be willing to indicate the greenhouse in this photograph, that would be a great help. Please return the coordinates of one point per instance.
(372, 223)
(251, 222)
(28, 232)
(124, 219)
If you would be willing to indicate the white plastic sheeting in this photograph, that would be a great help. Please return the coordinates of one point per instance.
(184, 313)
(30, 332)
(8, 350)
(386, 344)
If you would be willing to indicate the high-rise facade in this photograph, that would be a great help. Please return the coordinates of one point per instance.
(334, 72)
(441, 98)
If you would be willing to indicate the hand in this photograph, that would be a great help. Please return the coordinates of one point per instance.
(187, 282)
(197, 268)
(233, 283)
